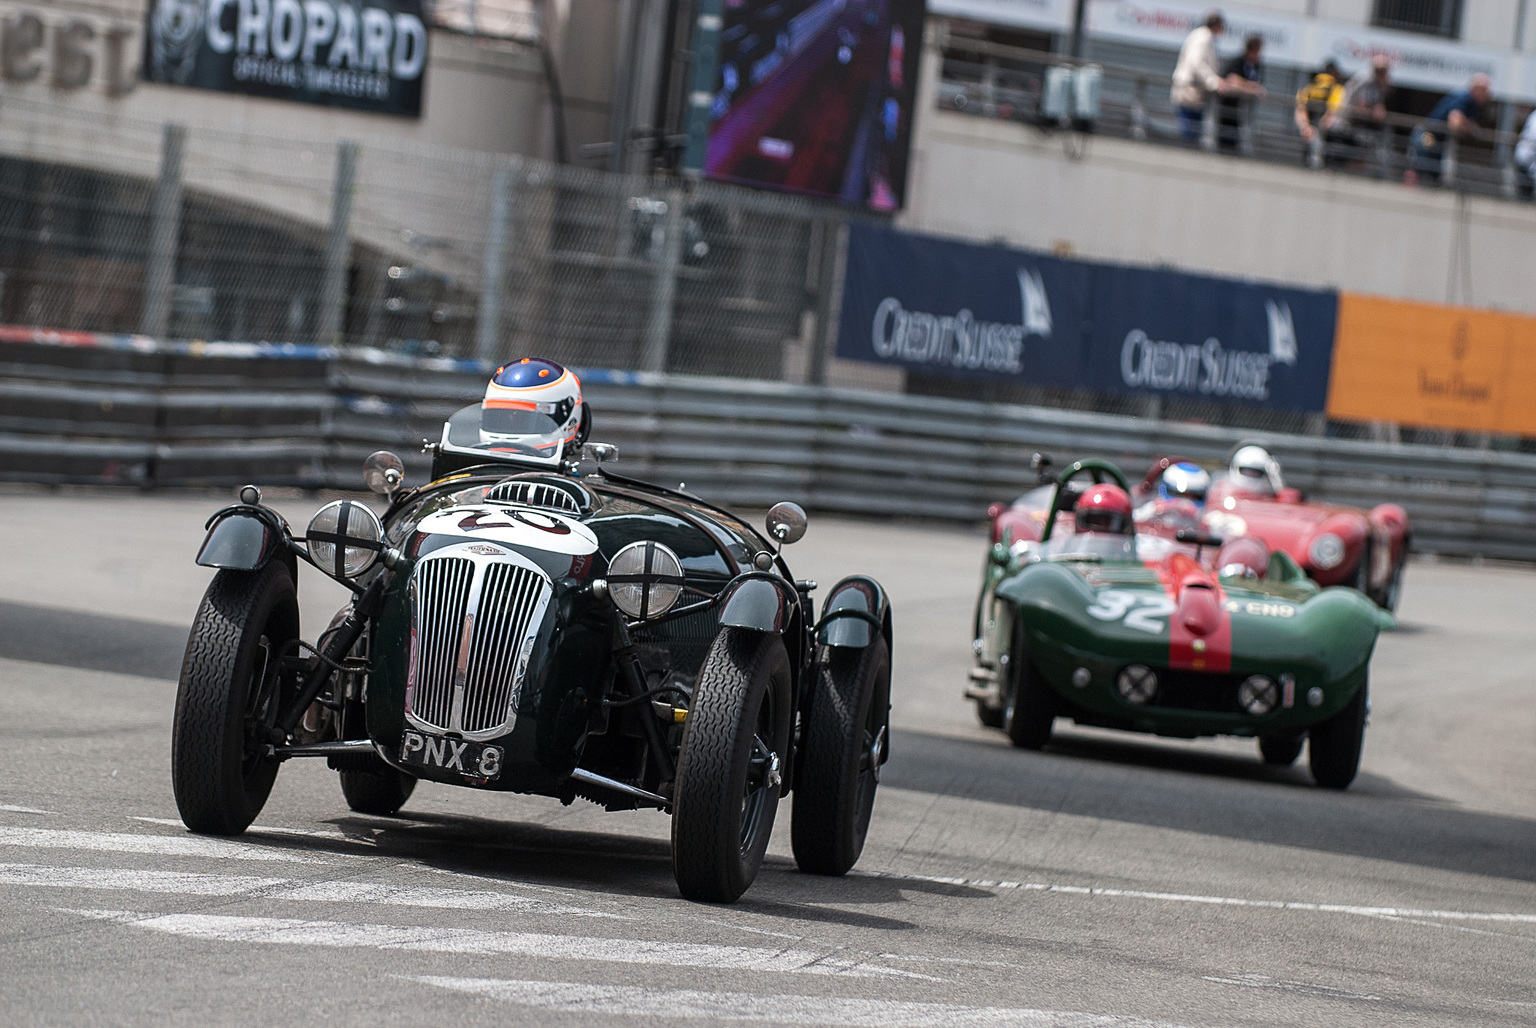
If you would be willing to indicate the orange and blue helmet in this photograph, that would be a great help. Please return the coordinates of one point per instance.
(533, 405)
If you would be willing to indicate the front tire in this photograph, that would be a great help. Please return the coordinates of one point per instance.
(381, 793)
(727, 788)
(1028, 710)
(1335, 747)
(837, 767)
(231, 686)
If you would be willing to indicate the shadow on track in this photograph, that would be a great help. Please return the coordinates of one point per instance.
(1216, 794)
(92, 642)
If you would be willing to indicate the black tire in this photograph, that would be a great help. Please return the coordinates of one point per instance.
(990, 717)
(1392, 594)
(1281, 750)
(1362, 577)
(219, 773)
(1029, 710)
(837, 767)
(382, 792)
(1335, 747)
(724, 800)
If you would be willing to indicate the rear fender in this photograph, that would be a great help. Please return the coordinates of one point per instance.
(760, 601)
(857, 612)
(246, 538)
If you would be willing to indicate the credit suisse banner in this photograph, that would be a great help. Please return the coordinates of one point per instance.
(368, 55)
(944, 307)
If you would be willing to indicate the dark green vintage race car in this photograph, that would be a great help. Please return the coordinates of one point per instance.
(1156, 627)
(527, 622)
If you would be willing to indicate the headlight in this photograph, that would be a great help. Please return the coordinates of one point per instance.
(344, 538)
(1137, 683)
(645, 579)
(1326, 551)
(1258, 694)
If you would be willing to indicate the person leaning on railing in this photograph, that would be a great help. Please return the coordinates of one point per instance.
(1317, 107)
(1455, 114)
(1197, 77)
(1362, 116)
(1247, 67)
(1525, 155)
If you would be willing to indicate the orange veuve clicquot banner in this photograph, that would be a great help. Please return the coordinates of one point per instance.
(1432, 366)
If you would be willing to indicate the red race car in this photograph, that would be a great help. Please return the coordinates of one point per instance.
(1335, 545)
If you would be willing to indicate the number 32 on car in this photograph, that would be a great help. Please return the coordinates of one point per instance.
(1142, 611)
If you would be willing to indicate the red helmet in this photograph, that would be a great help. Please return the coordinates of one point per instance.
(1104, 508)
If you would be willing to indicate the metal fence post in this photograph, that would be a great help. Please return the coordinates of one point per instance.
(493, 267)
(1139, 111)
(164, 234)
(1448, 161)
(1250, 111)
(338, 248)
(1315, 150)
(658, 325)
(829, 299)
(1208, 123)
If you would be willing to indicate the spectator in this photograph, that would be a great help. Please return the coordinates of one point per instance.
(1317, 104)
(1359, 122)
(1196, 77)
(1455, 114)
(1246, 68)
(1525, 153)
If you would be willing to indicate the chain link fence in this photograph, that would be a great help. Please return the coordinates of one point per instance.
(115, 225)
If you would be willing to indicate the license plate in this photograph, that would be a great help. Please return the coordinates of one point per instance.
(473, 759)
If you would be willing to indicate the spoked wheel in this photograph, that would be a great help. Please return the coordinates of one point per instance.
(837, 767)
(729, 766)
(1028, 709)
(1281, 750)
(1336, 743)
(231, 689)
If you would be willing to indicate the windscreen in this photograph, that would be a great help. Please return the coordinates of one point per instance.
(475, 430)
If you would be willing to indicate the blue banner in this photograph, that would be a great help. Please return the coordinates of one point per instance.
(942, 307)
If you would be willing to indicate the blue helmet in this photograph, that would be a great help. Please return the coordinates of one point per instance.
(1184, 481)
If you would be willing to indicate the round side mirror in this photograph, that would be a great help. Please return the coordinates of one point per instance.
(786, 522)
(383, 472)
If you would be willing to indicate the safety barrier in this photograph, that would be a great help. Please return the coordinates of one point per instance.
(127, 410)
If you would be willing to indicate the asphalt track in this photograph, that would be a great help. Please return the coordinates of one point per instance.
(1109, 881)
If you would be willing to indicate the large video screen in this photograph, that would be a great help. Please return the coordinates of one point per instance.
(815, 97)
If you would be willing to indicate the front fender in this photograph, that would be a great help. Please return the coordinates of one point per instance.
(857, 610)
(245, 538)
(759, 601)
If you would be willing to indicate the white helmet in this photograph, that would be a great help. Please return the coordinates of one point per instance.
(1254, 470)
(1184, 480)
(533, 406)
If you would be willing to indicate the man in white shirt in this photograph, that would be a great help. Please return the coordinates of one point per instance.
(1198, 75)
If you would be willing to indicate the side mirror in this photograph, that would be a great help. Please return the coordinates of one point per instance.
(994, 509)
(599, 453)
(383, 472)
(1000, 555)
(786, 522)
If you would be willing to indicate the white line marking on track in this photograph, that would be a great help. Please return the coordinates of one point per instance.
(165, 845)
(306, 833)
(691, 1004)
(1264, 981)
(197, 884)
(292, 931)
(1225, 901)
(23, 810)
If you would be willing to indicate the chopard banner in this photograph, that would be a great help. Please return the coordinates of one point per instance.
(940, 307)
(369, 55)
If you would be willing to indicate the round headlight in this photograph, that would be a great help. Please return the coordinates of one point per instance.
(1258, 694)
(645, 579)
(1326, 551)
(1137, 683)
(344, 538)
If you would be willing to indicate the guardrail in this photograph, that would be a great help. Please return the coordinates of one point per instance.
(104, 409)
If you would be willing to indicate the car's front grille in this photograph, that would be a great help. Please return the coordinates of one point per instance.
(472, 620)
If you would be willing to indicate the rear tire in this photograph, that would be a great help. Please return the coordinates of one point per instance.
(734, 741)
(1281, 750)
(837, 767)
(1029, 710)
(1334, 753)
(230, 686)
(381, 793)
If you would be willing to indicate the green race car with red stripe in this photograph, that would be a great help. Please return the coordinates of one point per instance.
(1169, 631)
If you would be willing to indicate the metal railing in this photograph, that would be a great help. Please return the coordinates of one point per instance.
(991, 80)
(133, 412)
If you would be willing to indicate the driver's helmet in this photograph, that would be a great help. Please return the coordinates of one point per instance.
(1104, 508)
(533, 404)
(1255, 471)
(1184, 481)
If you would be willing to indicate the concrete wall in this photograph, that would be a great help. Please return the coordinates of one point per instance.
(1148, 204)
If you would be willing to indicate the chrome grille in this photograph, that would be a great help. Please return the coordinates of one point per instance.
(542, 495)
(474, 618)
